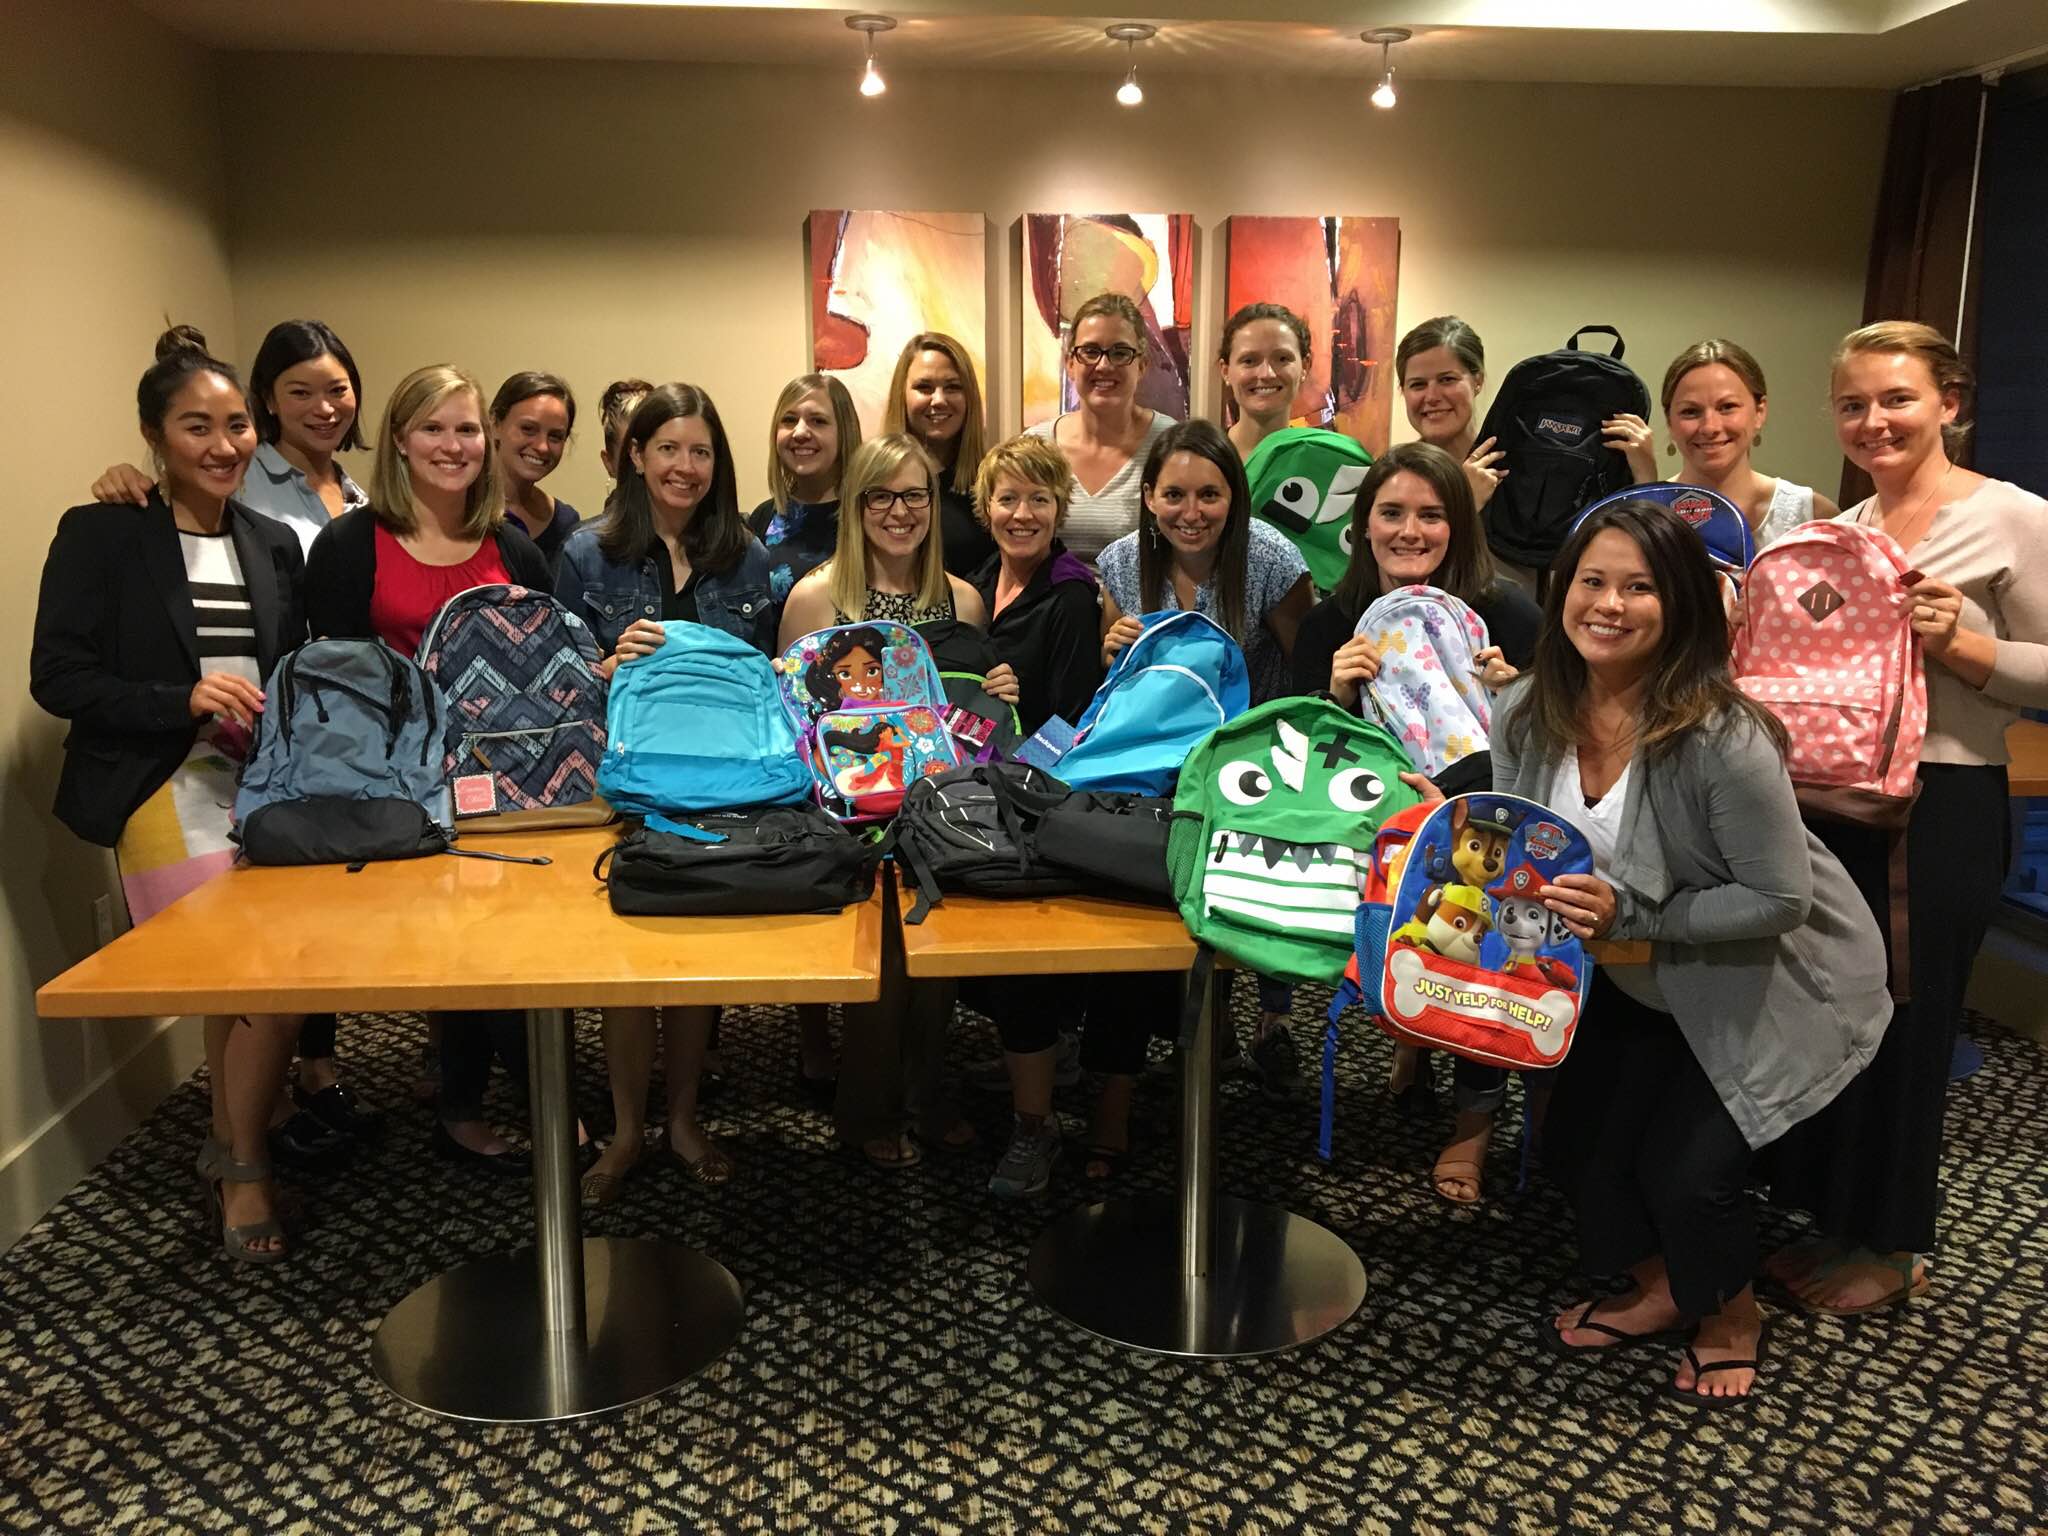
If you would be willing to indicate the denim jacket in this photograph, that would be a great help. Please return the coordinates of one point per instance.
(609, 597)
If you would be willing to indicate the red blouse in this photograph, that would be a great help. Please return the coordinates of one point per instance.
(408, 593)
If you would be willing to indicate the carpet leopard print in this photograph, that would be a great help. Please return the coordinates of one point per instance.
(896, 1374)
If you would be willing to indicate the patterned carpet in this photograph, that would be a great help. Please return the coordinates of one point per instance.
(896, 1374)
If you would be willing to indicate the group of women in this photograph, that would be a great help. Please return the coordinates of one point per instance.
(1761, 1033)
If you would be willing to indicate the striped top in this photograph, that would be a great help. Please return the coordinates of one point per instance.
(220, 603)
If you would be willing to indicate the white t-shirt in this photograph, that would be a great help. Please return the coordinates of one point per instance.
(1096, 520)
(1601, 822)
(1790, 506)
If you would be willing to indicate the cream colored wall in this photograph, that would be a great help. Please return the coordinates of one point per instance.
(114, 201)
(600, 219)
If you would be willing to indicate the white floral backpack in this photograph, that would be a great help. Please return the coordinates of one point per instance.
(1428, 691)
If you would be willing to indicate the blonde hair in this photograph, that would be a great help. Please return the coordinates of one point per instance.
(845, 425)
(1730, 355)
(418, 395)
(876, 461)
(1945, 365)
(1035, 461)
(973, 431)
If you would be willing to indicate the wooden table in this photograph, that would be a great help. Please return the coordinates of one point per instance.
(578, 1327)
(2027, 741)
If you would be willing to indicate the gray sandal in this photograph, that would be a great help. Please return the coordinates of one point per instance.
(218, 1169)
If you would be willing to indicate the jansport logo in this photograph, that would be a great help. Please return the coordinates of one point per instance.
(1696, 510)
(1557, 427)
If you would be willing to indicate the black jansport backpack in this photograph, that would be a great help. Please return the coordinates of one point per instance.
(975, 829)
(1546, 419)
(757, 861)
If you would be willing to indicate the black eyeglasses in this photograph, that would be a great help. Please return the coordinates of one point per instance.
(1119, 355)
(880, 498)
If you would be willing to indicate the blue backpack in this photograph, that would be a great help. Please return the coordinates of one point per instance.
(697, 726)
(348, 760)
(1719, 522)
(1170, 687)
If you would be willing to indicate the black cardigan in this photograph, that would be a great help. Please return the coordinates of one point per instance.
(341, 572)
(1050, 634)
(116, 648)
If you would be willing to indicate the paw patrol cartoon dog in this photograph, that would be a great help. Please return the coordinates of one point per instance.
(1450, 921)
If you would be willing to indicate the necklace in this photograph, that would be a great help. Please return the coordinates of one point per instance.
(1927, 505)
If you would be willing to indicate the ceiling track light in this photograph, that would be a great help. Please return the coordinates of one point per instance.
(1386, 37)
(871, 81)
(1130, 34)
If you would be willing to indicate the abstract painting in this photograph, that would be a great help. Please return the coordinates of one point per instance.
(1338, 274)
(878, 278)
(1071, 257)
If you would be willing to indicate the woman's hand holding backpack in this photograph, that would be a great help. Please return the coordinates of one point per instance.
(1356, 663)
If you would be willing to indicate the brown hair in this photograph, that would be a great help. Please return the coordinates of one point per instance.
(1442, 331)
(845, 427)
(875, 461)
(1945, 365)
(615, 408)
(1205, 440)
(716, 539)
(973, 431)
(1035, 461)
(1467, 570)
(418, 395)
(525, 386)
(1249, 314)
(1730, 355)
(1113, 306)
(1690, 685)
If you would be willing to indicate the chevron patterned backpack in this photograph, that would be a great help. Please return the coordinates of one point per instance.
(521, 675)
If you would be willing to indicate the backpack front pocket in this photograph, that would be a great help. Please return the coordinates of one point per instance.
(1842, 733)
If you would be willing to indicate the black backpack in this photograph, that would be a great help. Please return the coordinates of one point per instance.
(1546, 419)
(767, 859)
(975, 829)
(1114, 839)
(965, 657)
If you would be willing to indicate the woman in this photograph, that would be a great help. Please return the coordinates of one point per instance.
(1765, 992)
(615, 408)
(435, 526)
(1714, 408)
(1414, 521)
(153, 634)
(671, 544)
(815, 429)
(532, 415)
(1867, 1167)
(1441, 364)
(1108, 438)
(889, 562)
(1263, 359)
(304, 388)
(935, 398)
(1198, 549)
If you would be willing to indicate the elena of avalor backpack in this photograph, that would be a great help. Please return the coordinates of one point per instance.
(1427, 691)
(696, 726)
(521, 676)
(1304, 481)
(1178, 681)
(1546, 419)
(869, 706)
(1827, 645)
(1273, 827)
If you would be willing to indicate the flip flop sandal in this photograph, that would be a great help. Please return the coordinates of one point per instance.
(905, 1154)
(711, 1170)
(1552, 1338)
(601, 1189)
(1698, 1399)
(1913, 1283)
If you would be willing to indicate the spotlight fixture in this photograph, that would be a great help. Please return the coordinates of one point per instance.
(871, 81)
(1386, 37)
(1130, 34)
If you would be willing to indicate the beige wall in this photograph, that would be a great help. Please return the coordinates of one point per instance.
(600, 219)
(111, 157)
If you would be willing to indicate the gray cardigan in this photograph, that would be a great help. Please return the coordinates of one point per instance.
(1764, 948)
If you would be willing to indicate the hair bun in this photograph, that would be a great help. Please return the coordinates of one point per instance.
(181, 338)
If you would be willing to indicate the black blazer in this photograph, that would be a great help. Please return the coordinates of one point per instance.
(341, 572)
(116, 648)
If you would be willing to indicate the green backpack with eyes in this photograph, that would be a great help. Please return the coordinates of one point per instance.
(1304, 481)
(1272, 835)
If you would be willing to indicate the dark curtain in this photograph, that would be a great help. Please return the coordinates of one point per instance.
(1923, 241)
(2011, 437)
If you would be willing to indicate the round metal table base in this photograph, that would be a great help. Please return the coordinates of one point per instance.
(1276, 1280)
(471, 1344)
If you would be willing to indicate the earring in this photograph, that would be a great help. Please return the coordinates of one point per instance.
(1757, 441)
(1670, 450)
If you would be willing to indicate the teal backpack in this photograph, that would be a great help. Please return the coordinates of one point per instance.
(1272, 836)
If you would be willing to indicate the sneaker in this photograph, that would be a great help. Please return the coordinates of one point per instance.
(993, 1075)
(1277, 1065)
(1026, 1164)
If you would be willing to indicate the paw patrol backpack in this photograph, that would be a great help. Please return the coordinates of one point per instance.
(1304, 481)
(1427, 691)
(1273, 826)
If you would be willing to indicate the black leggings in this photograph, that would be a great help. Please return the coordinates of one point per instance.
(316, 1037)
(468, 1041)
(1651, 1159)
(1115, 1013)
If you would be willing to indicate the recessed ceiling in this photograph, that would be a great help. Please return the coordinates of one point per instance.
(1854, 43)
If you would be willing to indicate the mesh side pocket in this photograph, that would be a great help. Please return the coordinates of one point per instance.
(1183, 851)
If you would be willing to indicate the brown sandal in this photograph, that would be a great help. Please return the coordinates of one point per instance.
(712, 1169)
(1463, 1161)
(892, 1154)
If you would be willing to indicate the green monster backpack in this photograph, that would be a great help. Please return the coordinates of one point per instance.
(1272, 834)
(1304, 481)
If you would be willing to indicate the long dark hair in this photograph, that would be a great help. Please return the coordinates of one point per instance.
(286, 345)
(716, 538)
(1205, 440)
(1467, 571)
(1690, 685)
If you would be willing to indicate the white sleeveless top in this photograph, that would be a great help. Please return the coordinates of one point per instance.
(1790, 506)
